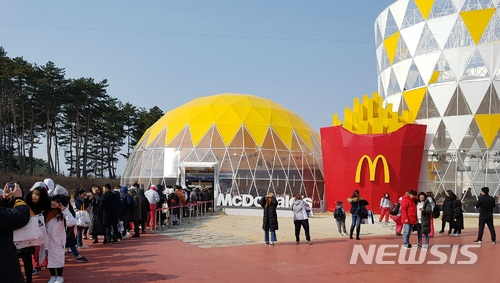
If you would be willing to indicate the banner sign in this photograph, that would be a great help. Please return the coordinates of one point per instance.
(373, 164)
(245, 200)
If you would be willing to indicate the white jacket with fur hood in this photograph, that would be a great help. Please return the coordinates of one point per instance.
(299, 207)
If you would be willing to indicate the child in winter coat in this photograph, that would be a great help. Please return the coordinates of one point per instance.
(397, 220)
(82, 202)
(385, 206)
(38, 201)
(57, 219)
(339, 215)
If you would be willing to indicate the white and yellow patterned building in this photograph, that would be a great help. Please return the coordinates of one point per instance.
(441, 60)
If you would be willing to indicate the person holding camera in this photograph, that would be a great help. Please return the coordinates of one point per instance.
(14, 214)
(270, 220)
(301, 218)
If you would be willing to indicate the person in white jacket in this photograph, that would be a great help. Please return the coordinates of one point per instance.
(153, 198)
(300, 218)
(57, 219)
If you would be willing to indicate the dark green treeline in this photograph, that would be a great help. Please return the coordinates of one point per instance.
(39, 106)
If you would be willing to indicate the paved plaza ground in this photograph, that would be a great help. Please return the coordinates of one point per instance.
(192, 252)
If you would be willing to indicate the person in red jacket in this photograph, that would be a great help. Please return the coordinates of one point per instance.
(408, 216)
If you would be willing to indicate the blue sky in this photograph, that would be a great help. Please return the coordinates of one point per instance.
(312, 57)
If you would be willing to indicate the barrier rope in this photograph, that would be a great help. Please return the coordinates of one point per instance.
(170, 209)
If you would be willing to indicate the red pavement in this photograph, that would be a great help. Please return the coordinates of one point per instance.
(158, 258)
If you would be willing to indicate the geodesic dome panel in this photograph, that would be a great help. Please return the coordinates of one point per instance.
(441, 59)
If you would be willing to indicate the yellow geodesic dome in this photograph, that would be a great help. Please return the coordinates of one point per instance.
(256, 145)
(228, 113)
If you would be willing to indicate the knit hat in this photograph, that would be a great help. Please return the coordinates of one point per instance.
(485, 190)
(38, 185)
(153, 187)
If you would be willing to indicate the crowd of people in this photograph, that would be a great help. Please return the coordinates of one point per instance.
(53, 203)
(416, 213)
(412, 213)
(122, 212)
(113, 214)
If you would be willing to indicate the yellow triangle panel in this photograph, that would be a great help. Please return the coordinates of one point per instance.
(434, 78)
(257, 131)
(477, 21)
(285, 133)
(154, 132)
(414, 98)
(198, 129)
(173, 130)
(425, 7)
(390, 44)
(489, 124)
(256, 116)
(228, 130)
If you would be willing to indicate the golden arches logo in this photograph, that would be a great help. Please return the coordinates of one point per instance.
(372, 167)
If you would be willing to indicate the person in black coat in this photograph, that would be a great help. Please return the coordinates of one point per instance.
(96, 227)
(116, 191)
(205, 196)
(424, 214)
(145, 208)
(127, 204)
(270, 218)
(448, 210)
(173, 205)
(458, 218)
(14, 214)
(110, 206)
(485, 204)
(159, 204)
(135, 215)
(358, 206)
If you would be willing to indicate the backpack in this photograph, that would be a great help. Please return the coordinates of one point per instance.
(339, 213)
(363, 212)
(436, 212)
(395, 209)
(173, 200)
